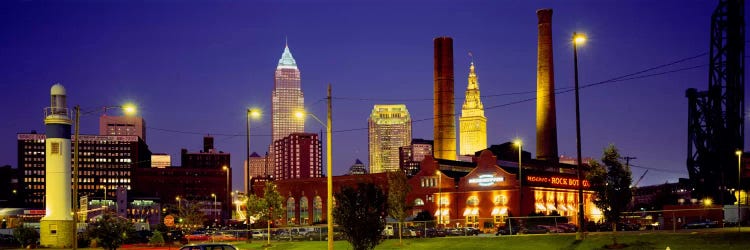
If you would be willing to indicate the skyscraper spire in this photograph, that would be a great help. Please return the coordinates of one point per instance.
(472, 123)
(287, 60)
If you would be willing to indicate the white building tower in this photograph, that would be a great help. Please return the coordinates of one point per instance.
(57, 227)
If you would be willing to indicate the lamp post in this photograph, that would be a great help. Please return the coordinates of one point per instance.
(578, 39)
(214, 210)
(329, 172)
(179, 203)
(128, 109)
(104, 202)
(739, 171)
(229, 194)
(518, 143)
(440, 197)
(251, 113)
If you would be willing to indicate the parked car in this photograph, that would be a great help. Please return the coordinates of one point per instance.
(288, 235)
(208, 246)
(7, 239)
(453, 232)
(551, 229)
(197, 236)
(223, 236)
(434, 232)
(471, 231)
(701, 224)
(321, 233)
(507, 231)
(259, 234)
(410, 233)
(388, 231)
(535, 230)
(567, 227)
(175, 235)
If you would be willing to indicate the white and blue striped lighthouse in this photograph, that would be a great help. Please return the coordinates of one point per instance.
(57, 227)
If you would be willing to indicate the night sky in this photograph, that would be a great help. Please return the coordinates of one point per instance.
(193, 68)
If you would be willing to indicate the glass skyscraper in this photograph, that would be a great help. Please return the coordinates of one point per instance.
(287, 99)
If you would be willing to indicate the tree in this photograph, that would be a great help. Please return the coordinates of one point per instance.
(156, 239)
(360, 212)
(274, 201)
(190, 214)
(111, 231)
(25, 235)
(425, 217)
(398, 207)
(611, 185)
(268, 207)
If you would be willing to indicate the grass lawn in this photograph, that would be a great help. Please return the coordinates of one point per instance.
(635, 240)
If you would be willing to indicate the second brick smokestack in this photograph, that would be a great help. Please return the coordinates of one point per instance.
(445, 122)
(546, 121)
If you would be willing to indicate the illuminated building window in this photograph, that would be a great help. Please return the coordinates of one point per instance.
(290, 205)
(444, 200)
(418, 202)
(472, 201)
(317, 209)
(303, 210)
(500, 200)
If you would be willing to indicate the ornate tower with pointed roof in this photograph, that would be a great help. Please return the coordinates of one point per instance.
(286, 100)
(473, 123)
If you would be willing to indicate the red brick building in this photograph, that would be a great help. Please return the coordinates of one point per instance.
(305, 199)
(479, 194)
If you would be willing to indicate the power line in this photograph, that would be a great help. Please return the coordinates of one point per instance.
(657, 169)
(629, 76)
(625, 77)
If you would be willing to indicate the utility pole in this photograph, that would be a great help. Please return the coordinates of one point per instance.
(632, 189)
(627, 160)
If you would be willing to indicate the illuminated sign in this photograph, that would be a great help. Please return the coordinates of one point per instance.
(486, 180)
(31, 136)
(169, 220)
(556, 181)
(115, 138)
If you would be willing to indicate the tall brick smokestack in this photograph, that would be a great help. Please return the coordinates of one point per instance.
(445, 121)
(546, 121)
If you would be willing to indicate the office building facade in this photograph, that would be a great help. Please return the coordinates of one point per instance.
(298, 155)
(105, 163)
(389, 127)
(122, 125)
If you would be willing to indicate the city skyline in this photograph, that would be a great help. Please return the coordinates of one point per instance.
(190, 77)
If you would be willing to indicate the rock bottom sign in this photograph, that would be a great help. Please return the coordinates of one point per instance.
(486, 180)
(556, 181)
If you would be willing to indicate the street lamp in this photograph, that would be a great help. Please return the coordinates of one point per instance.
(518, 144)
(578, 38)
(128, 109)
(440, 197)
(104, 202)
(251, 113)
(739, 171)
(214, 210)
(179, 203)
(329, 172)
(229, 195)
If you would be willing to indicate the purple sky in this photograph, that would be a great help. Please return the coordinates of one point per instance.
(193, 68)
